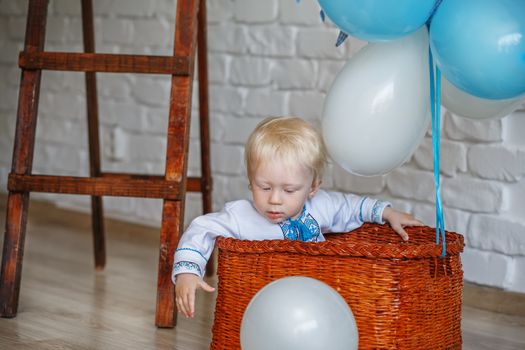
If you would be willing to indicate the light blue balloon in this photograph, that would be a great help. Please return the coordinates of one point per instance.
(378, 20)
(479, 45)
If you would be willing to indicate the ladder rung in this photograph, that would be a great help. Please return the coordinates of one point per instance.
(108, 63)
(96, 186)
(193, 184)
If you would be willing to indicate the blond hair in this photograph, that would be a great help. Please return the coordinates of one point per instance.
(288, 139)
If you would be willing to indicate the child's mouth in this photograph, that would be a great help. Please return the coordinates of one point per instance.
(273, 215)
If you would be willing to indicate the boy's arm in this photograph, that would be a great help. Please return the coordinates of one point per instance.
(398, 220)
(193, 252)
(185, 288)
(197, 242)
(348, 212)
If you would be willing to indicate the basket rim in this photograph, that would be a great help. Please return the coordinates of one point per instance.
(354, 248)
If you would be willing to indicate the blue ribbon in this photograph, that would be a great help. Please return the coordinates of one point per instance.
(341, 38)
(435, 107)
(433, 11)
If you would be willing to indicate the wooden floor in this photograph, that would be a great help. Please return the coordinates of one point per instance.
(66, 304)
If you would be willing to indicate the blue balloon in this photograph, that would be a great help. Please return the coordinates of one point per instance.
(378, 20)
(479, 45)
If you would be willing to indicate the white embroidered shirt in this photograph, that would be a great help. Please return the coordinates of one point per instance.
(324, 213)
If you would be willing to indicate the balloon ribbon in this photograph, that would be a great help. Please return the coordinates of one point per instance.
(435, 106)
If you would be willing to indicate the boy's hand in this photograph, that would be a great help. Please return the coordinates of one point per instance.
(185, 287)
(398, 220)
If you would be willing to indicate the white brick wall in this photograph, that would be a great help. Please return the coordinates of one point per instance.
(272, 57)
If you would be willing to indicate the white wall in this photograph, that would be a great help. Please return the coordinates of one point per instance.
(265, 58)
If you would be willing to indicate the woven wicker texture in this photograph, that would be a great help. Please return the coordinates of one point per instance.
(402, 294)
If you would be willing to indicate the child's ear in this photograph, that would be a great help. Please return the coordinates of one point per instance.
(315, 187)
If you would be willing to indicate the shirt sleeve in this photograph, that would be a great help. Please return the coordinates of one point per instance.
(197, 242)
(349, 211)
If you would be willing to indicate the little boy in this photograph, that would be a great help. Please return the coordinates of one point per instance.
(285, 159)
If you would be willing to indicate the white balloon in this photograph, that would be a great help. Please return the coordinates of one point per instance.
(295, 313)
(466, 105)
(378, 108)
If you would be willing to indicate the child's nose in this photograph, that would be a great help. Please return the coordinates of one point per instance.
(275, 197)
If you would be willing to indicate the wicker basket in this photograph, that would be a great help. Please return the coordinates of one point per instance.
(402, 294)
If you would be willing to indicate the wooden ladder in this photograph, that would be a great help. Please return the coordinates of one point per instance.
(190, 34)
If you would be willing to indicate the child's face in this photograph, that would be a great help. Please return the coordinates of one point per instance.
(280, 190)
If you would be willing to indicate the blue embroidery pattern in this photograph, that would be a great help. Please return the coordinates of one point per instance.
(375, 211)
(361, 209)
(193, 250)
(186, 265)
(292, 232)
